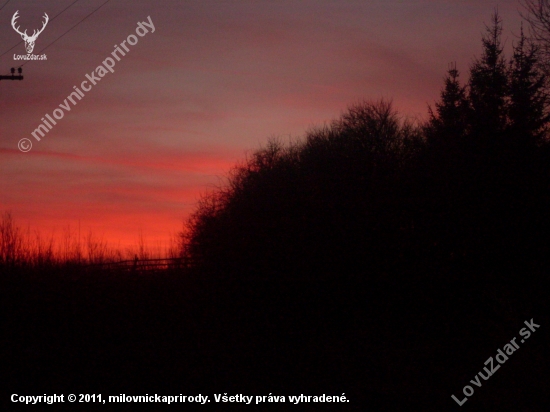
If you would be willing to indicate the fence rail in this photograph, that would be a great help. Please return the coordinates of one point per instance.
(141, 265)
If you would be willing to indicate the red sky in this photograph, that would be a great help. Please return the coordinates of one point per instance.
(214, 81)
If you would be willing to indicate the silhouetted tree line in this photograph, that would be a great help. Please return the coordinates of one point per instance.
(376, 242)
(371, 193)
(377, 257)
(504, 103)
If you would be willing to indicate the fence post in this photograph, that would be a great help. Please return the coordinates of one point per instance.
(135, 264)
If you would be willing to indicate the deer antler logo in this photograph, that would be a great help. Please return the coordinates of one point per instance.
(29, 40)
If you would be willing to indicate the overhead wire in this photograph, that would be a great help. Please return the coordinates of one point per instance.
(4, 5)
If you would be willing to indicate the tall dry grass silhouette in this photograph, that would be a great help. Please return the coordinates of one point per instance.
(24, 248)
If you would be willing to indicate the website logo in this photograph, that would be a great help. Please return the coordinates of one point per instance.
(29, 40)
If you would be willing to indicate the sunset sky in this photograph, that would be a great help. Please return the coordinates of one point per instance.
(213, 82)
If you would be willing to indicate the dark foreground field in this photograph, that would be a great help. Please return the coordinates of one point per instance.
(387, 346)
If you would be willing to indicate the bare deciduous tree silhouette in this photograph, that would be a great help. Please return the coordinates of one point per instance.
(537, 14)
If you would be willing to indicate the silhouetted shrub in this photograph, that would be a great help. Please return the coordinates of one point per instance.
(307, 202)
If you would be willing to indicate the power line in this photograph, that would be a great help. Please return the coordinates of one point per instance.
(4, 5)
(52, 19)
(67, 31)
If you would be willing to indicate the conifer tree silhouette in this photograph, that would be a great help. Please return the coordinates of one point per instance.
(528, 115)
(450, 119)
(488, 85)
